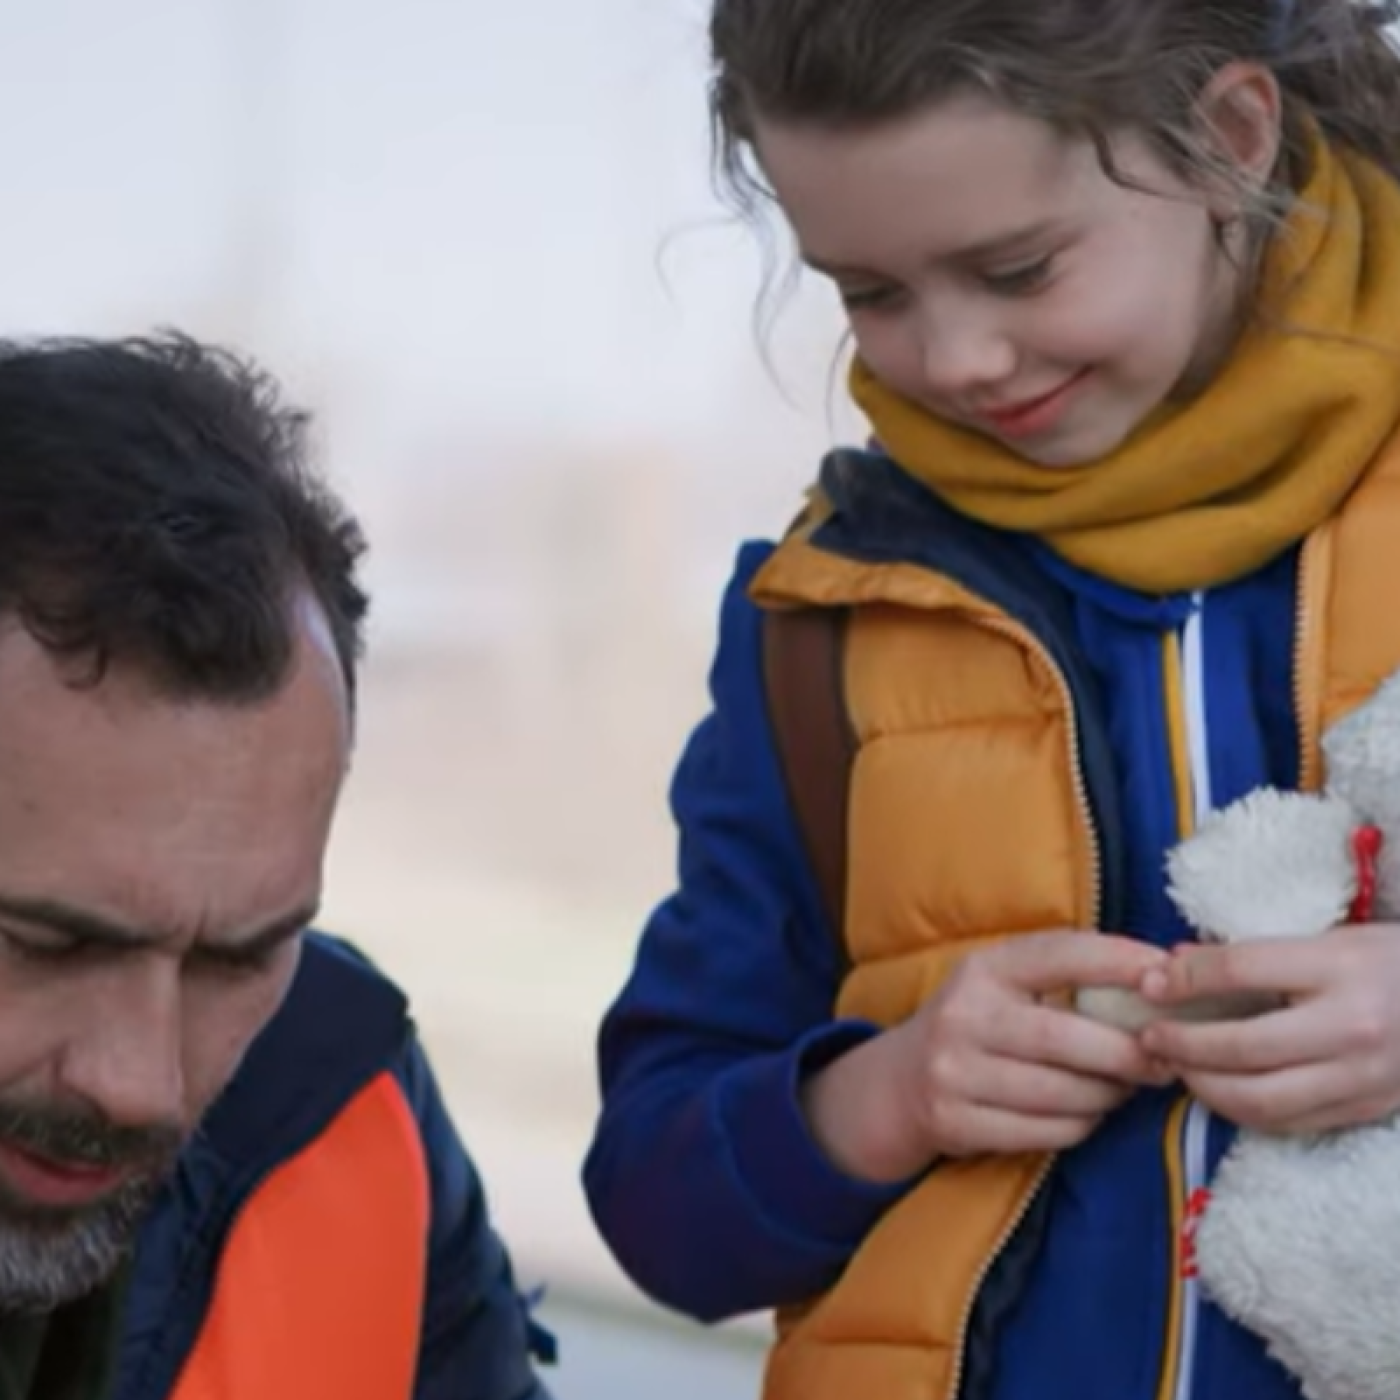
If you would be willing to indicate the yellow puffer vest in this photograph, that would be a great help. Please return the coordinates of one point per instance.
(958, 709)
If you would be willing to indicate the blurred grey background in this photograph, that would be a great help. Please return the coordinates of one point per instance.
(479, 240)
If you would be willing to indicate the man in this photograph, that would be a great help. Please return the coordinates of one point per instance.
(225, 1170)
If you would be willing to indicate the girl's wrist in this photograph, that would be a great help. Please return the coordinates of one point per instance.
(857, 1116)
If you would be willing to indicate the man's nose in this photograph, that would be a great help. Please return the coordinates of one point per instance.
(127, 1059)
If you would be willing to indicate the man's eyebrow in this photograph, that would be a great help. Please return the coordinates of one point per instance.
(83, 926)
(996, 246)
(265, 939)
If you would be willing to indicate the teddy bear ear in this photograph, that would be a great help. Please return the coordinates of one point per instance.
(1272, 865)
(1361, 754)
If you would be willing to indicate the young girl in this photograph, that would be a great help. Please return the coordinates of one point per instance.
(1123, 278)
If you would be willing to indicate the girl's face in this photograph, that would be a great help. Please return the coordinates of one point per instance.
(995, 275)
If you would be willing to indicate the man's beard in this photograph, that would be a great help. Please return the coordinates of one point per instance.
(52, 1254)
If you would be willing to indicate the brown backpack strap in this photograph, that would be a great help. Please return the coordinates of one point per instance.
(803, 665)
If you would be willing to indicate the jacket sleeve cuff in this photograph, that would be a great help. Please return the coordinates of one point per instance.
(779, 1163)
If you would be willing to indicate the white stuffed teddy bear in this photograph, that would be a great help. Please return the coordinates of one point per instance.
(1300, 1239)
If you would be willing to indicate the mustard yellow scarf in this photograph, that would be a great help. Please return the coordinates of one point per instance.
(1267, 452)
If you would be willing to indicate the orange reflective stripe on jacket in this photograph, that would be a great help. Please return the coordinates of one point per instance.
(320, 1287)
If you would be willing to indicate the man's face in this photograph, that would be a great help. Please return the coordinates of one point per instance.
(158, 862)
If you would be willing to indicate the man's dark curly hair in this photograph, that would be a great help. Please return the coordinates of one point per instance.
(157, 509)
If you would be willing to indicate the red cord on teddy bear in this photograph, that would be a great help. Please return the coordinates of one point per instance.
(1366, 843)
(1196, 1204)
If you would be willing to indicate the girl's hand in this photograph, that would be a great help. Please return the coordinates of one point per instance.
(1328, 1058)
(988, 1063)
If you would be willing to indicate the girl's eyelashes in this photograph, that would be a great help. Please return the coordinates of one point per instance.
(1018, 281)
(867, 298)
(1024, 279)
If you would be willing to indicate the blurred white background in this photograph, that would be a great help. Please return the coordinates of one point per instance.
(479, 239)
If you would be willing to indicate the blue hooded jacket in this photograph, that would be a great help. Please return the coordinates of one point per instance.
(703, 1176)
